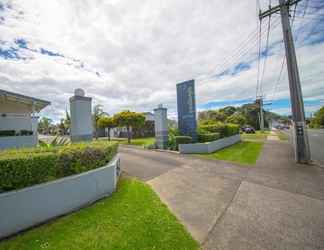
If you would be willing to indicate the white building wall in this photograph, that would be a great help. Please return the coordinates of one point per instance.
(15, 122)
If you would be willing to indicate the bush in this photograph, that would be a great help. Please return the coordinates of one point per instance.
(223, 129)
(173, 132)
(7, 133)
(182, 140)
(27, 167)
(208, 137)
(218, 127)
(231, 129)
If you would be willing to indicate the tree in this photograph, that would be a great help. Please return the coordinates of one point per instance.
(44, 125)
(67, 122)
(61, 127)
(107, 122)
(129, 120)
(251, 112)
(318, 119)
(214, 115)
(228, 111)
(237, 118)
(96, 114)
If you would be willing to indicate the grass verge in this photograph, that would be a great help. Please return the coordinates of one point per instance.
(137, 141)
(132, 218)
(245, 152)
(258, 136)
(282, 136)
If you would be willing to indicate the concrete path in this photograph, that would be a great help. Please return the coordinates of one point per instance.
(276, 204)
(273, 136)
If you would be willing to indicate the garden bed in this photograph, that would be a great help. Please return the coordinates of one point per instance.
(27, 167)
(67, 178)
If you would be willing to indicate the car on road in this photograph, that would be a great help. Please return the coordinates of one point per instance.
(282, 127)
(248, 130)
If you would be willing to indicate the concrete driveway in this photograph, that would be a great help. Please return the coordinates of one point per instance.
(276, 204)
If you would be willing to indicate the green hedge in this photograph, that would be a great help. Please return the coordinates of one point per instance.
(232, 129)
(208, 137)
(27, 167)
(181, 139)
(224, 129)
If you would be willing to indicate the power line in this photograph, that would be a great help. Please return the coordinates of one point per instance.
(237, 52)
(259, 59)
(244, 48)
(234, 59)
(266, 55)
(240, 52)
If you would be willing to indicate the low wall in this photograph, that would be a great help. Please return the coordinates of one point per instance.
(30, 206)
(209, 147)
(18, 141)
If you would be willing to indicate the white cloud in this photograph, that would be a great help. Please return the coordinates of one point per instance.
(141, 50)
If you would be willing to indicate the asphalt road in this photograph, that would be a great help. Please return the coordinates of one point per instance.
(316, 141)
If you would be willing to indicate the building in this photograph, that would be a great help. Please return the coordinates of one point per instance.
(149, 116)
(19, 120)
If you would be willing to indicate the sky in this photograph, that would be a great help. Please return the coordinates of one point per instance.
(131, 54)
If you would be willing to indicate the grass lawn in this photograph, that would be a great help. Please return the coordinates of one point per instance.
(282, 135)
(137, 141)
(132, 218)
(260, 136)
(245, 152)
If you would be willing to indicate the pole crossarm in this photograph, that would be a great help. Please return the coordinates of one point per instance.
(273, 10)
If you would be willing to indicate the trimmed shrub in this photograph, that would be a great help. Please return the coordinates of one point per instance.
(181, 139)
(223, 129)
(208, 137)
(231, 129)
(27, 167)
(218, 127)
(7, 133)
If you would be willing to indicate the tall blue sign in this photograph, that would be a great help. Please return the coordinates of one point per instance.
(187, 109)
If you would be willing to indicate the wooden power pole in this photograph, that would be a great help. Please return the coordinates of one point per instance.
(302, 151)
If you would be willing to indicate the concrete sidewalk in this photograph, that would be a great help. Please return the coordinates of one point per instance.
(272, 136)
(276, 204)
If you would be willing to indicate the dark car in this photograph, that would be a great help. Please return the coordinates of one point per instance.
(248, 130)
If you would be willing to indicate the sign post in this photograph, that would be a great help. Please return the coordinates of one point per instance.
(186, 102)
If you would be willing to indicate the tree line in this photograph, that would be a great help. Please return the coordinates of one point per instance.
(124, 119)
(317, 121)
(245, 115)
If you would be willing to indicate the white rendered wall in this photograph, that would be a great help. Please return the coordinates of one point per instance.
(161, 127)
(209, 147)
(81, 118)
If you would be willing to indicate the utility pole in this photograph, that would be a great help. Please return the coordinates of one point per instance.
(259, 101)
(302, 151)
